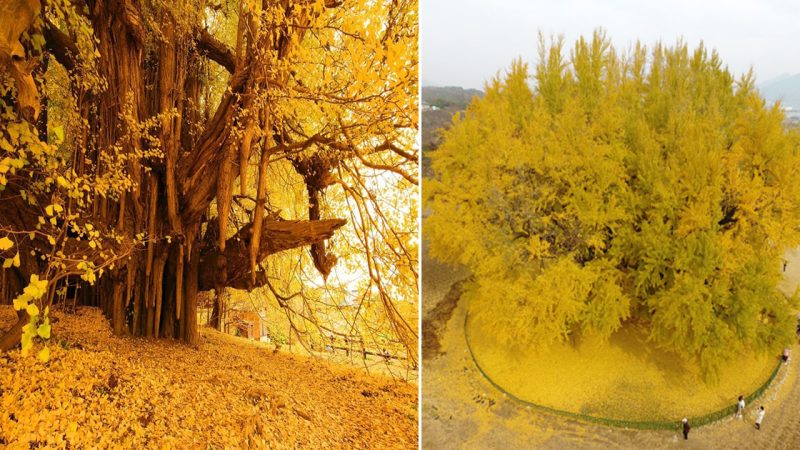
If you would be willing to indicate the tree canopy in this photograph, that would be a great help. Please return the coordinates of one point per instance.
(153, 149)
(604, 189)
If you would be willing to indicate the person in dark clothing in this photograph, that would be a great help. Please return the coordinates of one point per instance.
(686, 428)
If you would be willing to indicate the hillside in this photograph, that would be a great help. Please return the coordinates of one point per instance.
(98, 389)
(785, 88)
(448, 96)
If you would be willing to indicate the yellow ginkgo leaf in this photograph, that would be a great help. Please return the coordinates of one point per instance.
(26, 343)
(58, 131)
(16, 260)
(44, 331)
(6, 243)
(20, 303)
(32, 309)
(44, 355)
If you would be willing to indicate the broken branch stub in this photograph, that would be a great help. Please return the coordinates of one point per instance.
(16, 16)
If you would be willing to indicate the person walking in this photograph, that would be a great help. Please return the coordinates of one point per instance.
(686, 428)
(785, 355)
(740, 408)
(759, 417)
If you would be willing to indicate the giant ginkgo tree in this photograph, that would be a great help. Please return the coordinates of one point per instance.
(137, 138)
(608, 189)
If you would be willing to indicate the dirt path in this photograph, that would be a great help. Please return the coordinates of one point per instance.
(460, 409)
(98, 389)
(435, 322)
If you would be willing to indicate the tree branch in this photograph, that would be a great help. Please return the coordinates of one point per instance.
(60, 45)
(197, 172)
(277, 236)
(216, 50)
(133, 21)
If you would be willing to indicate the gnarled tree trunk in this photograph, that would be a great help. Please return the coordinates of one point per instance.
(153, 291)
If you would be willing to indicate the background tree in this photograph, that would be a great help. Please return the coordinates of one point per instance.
(638, 189)
(145, 170)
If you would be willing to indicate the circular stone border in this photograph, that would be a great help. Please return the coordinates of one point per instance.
(621, 423)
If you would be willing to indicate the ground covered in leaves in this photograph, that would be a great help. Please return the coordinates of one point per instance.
(624, 377)
(101, 391)
(461, 409)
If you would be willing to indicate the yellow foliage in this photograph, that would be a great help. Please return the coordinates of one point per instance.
(616, 188)
(102, 391)
(622, 377)
(32, 309)
(43, 331)
(44, 355)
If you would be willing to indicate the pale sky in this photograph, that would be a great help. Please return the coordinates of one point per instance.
(465, 42)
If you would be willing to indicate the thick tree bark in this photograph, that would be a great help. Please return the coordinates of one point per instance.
(188, 324)
(15, 18)
(215, 319)
(11, 337)
(152, 291)
(232, 268)
(317, 176)
(118, 311)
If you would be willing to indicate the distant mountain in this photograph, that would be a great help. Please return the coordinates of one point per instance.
(448, 97)
(785, 88)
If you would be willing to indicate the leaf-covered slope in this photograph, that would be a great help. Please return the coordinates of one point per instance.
(99, 389)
